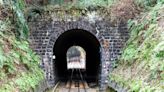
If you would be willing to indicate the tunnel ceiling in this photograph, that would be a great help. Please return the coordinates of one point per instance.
(79, 38)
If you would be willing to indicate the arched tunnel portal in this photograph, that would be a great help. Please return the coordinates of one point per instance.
(89, 43)
(102, 42)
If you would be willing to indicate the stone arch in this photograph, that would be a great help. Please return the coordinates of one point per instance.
(56, 33)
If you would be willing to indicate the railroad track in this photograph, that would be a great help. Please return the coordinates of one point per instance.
(77, 80)
(76, 83)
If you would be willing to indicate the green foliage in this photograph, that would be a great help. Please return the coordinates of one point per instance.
(84, 3)
(20, 54)
(160, 54)
(24, 81)
(138, 30)
(29, 80)
(129, 53)
(146, 47)
(133, 85)
(2, 58)
(56, 2)
(3, 25)
(2, 75)
(150, 30)
(87, 3)
(16, 6)
(146, 3)
(21, 4)
(23, 30)
(19, 65)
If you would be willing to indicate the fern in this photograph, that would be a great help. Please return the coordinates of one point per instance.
(129, 53)
(23, 30)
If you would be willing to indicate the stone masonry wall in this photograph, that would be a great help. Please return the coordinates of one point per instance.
(44, 33)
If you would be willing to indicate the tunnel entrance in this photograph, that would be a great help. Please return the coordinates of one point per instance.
(91, 46)
(76, 58)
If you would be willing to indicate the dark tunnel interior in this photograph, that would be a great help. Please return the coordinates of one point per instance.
(89, 43)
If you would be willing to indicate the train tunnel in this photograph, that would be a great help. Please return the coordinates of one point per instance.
(89, 43)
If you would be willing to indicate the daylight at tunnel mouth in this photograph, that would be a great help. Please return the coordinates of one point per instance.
(89, 43)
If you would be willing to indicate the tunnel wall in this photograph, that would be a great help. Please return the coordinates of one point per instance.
(44, 33)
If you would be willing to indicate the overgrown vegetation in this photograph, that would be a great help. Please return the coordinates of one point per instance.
(19, 65)
(18, 7)
(14, 11)
(141, 67)
(111, 10)
(82, 3)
